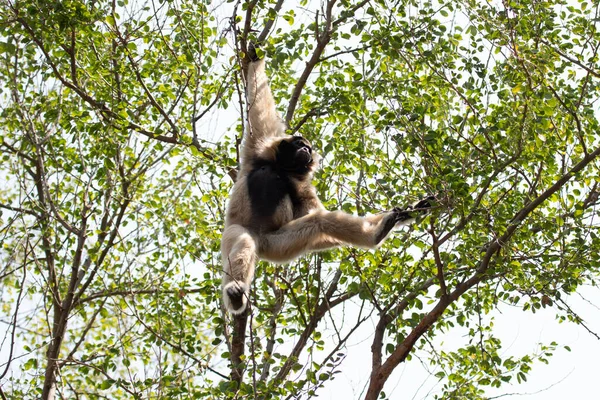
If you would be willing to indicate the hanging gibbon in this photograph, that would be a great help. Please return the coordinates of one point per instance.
(274, 212)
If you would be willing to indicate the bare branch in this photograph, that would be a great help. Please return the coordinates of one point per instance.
(438, 261)
(14, 323)
(140, 80)
(238, 337)
(319, 312)
(19, 210)
(323, 39)
(279, 301)
(126, 293)
(571, 59)
(386, 319)
(269, 24)
(62, 313)
(175, 346)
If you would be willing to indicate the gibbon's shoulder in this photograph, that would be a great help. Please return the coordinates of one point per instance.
(264, 149)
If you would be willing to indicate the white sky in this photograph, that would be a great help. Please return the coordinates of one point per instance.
(572, 374)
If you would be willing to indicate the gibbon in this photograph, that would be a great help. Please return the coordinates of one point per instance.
(274, 212)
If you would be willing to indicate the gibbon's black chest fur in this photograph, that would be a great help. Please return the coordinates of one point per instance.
(271, 181)
(268, 185)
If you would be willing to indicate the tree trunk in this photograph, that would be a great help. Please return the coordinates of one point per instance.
(238, 340)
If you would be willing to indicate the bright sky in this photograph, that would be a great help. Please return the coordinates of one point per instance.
(572, 374)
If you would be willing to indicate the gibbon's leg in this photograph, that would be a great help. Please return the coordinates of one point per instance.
(324, 229)
(238, 252)
(324, 242)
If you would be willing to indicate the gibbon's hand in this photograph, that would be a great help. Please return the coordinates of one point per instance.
(426, 203)
(252, 54)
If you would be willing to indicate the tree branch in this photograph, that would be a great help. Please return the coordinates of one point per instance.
(238, 337)
(269, 24)
(323, 39)
(380, 374)
(571, 59)
(386, 319)
(438, 260)
(320, 311)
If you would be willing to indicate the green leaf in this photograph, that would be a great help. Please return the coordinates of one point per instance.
(7, 48)
(106, 384)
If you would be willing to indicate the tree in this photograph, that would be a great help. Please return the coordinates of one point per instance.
(120, 128)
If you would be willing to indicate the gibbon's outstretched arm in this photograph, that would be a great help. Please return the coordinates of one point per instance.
(274, 212)
(263, 120)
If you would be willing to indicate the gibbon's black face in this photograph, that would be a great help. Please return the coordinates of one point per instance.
(295, 155)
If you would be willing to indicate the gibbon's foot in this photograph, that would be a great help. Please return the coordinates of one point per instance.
(403, 216)
(252, 55)
(411, 212)
(425, 204)
(235, 297)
